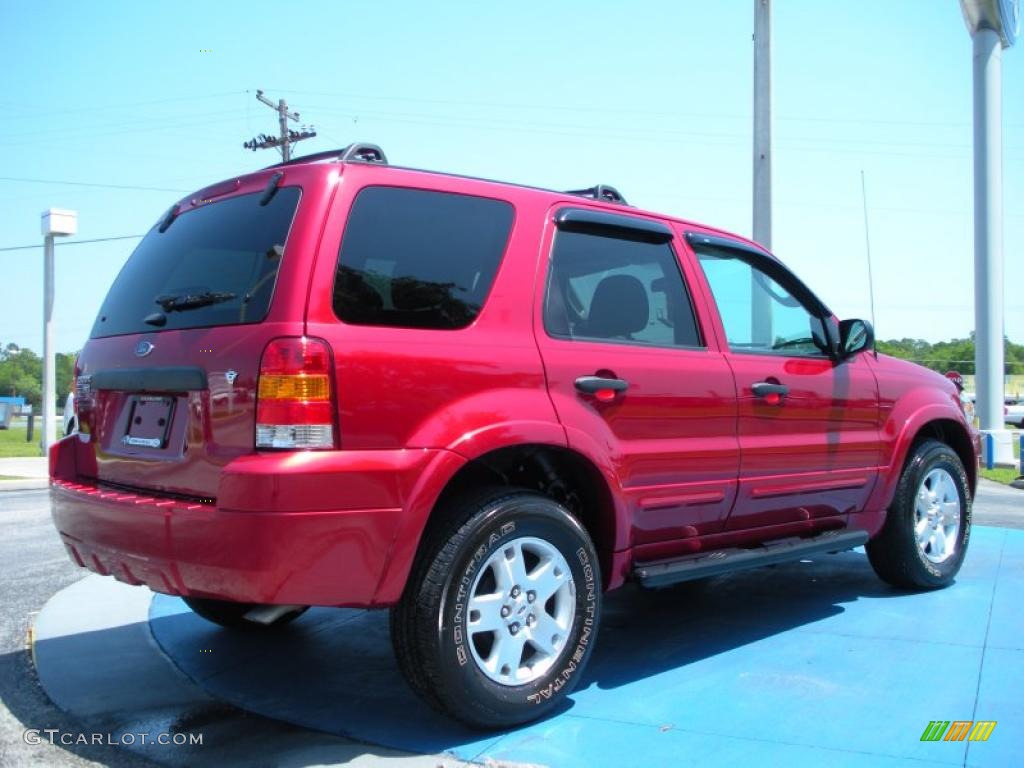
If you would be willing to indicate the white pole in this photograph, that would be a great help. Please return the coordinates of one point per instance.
(763, 123)
(761, 316)
(49, 427)
(988, 240)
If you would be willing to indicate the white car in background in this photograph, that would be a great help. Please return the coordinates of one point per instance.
(70, 417)
(1014, 414)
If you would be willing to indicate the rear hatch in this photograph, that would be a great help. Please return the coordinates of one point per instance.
(167, 382)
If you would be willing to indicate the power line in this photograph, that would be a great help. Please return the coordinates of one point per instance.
(152, 126)
(92, 184)
(623, 110)
(123, 105)
(74, 242)
(667, 137)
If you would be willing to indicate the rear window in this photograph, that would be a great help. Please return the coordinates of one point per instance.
(413, 258)
(215, 265)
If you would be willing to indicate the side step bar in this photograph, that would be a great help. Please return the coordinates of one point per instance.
(722, 561)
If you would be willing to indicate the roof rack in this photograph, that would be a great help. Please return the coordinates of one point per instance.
(353, 153)
(603, 192)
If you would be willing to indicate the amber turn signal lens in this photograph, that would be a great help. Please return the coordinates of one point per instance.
(295, 387)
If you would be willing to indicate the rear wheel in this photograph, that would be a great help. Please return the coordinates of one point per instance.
(233, 615)
(501, 612)
(924, 539)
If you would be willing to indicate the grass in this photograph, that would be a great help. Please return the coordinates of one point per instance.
(1002, 475)
(12, 443)
(10, 477)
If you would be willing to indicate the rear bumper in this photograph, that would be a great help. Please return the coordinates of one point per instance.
(306, 529)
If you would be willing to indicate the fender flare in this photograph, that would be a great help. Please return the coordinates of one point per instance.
(422, 497)
(884, 491)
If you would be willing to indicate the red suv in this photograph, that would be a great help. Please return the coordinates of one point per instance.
(335, 382)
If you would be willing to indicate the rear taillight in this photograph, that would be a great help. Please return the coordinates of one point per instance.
(295, 401)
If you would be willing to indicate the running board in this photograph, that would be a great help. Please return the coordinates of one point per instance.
(729, 560)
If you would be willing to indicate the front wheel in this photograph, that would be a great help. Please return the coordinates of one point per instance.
(501, 613)
(924, 539)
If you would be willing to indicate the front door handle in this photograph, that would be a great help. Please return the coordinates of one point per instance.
(603, 388)
(771, 392)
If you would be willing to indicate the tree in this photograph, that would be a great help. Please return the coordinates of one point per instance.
(956, 354)
(21, 374)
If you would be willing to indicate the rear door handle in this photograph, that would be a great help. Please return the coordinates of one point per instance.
(604, 389)
(769, 391)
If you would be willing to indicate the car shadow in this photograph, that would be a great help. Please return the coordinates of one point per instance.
(333, 669)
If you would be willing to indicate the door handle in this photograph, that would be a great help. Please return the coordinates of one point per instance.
(772, 393)
(603, 388)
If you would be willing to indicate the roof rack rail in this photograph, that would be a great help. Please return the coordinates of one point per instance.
(604, 192)
(353, 153)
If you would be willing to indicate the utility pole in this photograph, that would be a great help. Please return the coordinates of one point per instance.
(994, 25)
(286, 137)
(761, 311)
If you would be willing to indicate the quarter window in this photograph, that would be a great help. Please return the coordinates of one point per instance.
(609, 289)
(414, 258)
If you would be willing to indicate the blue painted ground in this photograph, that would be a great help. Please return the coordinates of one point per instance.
(794, 665)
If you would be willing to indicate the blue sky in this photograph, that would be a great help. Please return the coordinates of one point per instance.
(652, 97)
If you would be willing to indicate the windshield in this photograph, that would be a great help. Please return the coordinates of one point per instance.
(216, 265)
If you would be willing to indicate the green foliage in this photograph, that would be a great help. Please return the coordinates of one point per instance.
(955, 355)
(21, 374)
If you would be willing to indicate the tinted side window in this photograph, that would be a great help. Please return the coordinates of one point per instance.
(760, 315)
(418, 259)
(608, 289)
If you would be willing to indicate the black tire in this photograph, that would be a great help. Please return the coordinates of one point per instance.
(894, 552)
(430, 626)
(232, 615)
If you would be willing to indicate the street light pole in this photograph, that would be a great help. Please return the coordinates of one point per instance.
(988, 237)
(49, 432)
(55, 223)
(993, 25)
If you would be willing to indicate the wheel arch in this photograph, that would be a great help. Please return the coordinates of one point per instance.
(928, 423)
(556, 471)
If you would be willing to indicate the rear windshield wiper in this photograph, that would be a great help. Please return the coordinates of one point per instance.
(185, 301)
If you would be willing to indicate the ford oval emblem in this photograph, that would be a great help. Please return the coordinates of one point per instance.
(143, 348)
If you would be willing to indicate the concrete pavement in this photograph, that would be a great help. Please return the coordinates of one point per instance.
(31, 473)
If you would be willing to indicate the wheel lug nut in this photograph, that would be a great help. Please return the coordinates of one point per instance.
(531, 620)
(531, 596)
(514, 628)
(516, 591)
(505, 611)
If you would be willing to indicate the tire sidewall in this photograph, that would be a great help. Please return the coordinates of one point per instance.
(512, 519)
(929, 457)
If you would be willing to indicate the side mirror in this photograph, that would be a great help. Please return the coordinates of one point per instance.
(855, 336)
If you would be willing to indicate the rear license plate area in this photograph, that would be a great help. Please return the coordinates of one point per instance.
(149, 421)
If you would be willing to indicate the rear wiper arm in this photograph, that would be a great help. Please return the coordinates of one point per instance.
(185, 301)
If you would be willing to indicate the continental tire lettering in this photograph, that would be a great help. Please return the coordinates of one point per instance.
(462, 592)
(590, 584)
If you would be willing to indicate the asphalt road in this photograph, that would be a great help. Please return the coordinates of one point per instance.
(33, 566)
